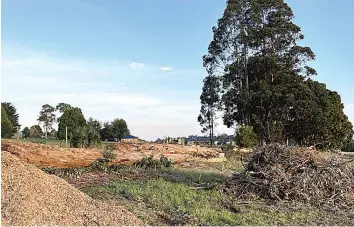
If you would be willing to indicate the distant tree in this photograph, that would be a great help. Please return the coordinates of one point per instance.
(6, 127)
(72, 118)
(53, 134)
(36, 131)
(209, 105)
(26, 132)
(79, 137)
(12, 115)
(94, 128)
(94, 124)
(107, 131)
(47, 118)
(246, 137)
(61, 107)
(120, 128)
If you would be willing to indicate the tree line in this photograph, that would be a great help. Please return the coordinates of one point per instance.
(258, 78)
(71, 123)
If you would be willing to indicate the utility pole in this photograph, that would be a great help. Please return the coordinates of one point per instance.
(66, 137)
(18, 132)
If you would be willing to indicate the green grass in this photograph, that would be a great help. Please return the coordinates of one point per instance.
(185, 205)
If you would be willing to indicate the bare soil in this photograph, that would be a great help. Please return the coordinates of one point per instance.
(52, 156)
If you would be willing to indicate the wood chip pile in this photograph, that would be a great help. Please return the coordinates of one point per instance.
(280, 173)
(31, 197)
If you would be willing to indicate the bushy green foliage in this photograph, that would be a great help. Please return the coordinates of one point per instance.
(93, 127)
(151, 162)
(79, 137)
(73, 119)
(246, 137)
(12, 115)
(36, 131)
(348, 146)
(65, 172)
(26, 132)
(264, 76)
(109, 152)
(6, 127)
(117, 128)
(61, 107)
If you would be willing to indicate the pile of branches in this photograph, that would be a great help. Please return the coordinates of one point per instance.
(279, 173)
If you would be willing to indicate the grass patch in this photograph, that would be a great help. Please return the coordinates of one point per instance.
(185, 205)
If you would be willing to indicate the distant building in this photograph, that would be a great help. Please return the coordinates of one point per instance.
(198, 140)
(170, 140)
(130, 139)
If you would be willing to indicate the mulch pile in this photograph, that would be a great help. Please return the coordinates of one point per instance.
(31, 197)
(279, 173)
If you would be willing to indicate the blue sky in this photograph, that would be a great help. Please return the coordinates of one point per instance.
(141, 60)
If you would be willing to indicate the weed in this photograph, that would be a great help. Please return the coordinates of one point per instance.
(108, 152)
(185, 205)
(151, 162)
(65, 172)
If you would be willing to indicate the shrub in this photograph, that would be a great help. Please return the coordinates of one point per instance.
(108, 152)
(246, 137)
(108, 155)
(150, 162)
(79, 137)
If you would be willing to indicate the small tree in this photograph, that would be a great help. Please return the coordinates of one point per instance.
(72, 118)
(79, 137)
(120, 128)
(6, 127)
(209, 100)
(36, 131)
(47, 118)
(26, 132)
(246, 137)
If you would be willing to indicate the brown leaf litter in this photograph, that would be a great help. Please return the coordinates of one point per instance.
(31, 197)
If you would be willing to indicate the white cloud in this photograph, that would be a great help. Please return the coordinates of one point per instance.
(166, 68)
(136, 65)
(151, 107)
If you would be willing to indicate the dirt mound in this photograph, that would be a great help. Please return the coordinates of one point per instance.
(31, 197)
(51, 156)
(168, 149)
(279, 173)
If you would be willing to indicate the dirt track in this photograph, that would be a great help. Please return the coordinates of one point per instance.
(51, 156)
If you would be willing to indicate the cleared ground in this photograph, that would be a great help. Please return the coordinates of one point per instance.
(192, 195)
(188, 193)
